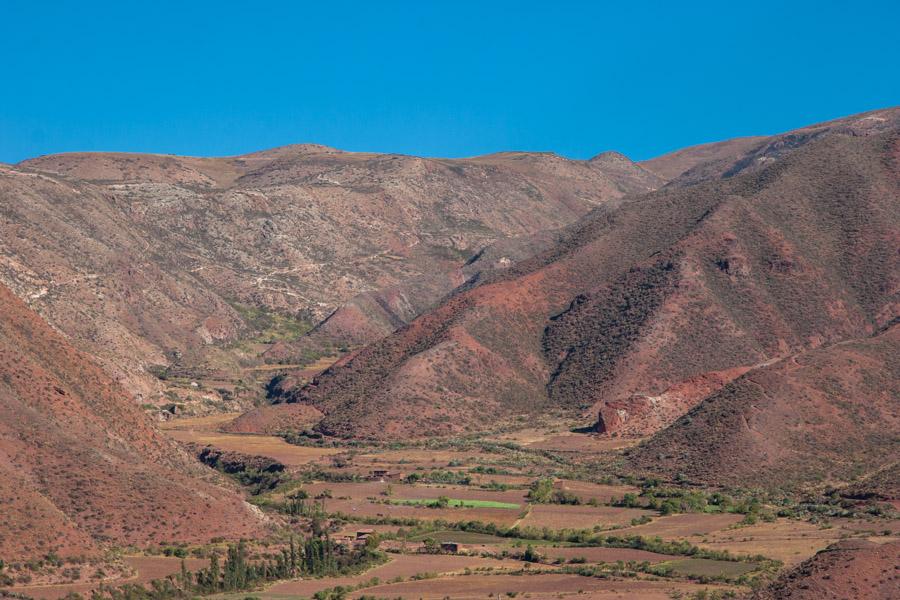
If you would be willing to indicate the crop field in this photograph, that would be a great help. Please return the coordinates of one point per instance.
(557, 516)
(400, 566)
(598, 491)
(456, 503)
(600, 555)
(380, 490)
(538, 585)
(700, 567)
(789, 541)
(581, 444)
(262, 445)
(684, 525)
(461, 537)
(365, 508)
(205, 423)
(484, 494)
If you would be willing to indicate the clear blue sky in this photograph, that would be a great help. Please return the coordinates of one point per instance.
(433, 78)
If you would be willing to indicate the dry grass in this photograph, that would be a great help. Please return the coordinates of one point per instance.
(684, 525)
(788, 541)
(206, 423)
(262, 445)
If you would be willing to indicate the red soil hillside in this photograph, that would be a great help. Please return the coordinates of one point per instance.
(80, 465)
(650, 303)
(275, 419)
(141, 258)
(848, 569)
(824, 416)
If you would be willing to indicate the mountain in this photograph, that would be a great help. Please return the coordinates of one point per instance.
(651, 302)
(82, 466)
(847, 569)
(149, 260)
(674, 164)
(823, 416)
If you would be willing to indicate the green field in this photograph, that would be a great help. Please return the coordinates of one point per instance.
(456, 503)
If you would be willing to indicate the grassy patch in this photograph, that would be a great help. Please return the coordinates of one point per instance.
(269, 326)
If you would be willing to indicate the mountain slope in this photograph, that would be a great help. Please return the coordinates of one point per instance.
(650, 303)
(143, 259)
(847, 569)
(80, 464)
(824, 416)
(674, 164)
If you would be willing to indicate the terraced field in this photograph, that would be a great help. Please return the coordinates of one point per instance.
(462, 521)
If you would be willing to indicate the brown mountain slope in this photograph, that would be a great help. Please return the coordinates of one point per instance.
(81, 465)
(672, 165)
(847, 569)
(137, 257)
(824, 416)
(732, 157)
(648, 304)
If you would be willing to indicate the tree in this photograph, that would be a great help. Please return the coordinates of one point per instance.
(431, 546)
(530, 555)
(541, 491)
(214, 572)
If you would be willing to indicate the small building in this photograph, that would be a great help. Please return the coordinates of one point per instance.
(384, 475)
(364, 534)
(449, 547)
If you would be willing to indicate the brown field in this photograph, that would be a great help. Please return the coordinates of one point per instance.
(545, 585)
(587, 490)
(788, 541)
(700, 567)
(146, 569)
(517, 480)
(401, 565)
(207, 423)
(598, 555)
(683, 525)
(411, 459)
(581, 443)
(363, 490)
(262, 445)
(556, 516)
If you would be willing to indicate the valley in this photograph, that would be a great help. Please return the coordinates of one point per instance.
(309, 373)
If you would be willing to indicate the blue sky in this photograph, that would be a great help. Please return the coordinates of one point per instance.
(433, 78)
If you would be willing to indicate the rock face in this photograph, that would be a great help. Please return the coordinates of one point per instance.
(81, 465)
(663, 297)
(139, 258)
(847, 569)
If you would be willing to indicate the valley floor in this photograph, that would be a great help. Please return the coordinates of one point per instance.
(541, 512)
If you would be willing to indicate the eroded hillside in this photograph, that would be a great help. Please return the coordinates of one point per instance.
(650, 303)
(144, 260)
(81, 466)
